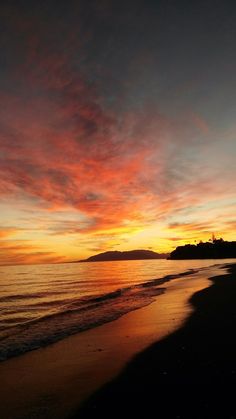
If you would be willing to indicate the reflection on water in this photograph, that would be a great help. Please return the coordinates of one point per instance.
(43, 303)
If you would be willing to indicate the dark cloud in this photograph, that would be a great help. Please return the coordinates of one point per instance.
(117, 110)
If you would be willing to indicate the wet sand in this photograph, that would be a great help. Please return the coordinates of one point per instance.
(54, 381)
(189, 374)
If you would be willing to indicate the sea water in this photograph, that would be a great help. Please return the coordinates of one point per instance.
(41, 304)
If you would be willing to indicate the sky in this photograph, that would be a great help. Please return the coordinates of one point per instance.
(117, 126)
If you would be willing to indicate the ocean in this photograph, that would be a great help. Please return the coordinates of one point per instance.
(41, 304)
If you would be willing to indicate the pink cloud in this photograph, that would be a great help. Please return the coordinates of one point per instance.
(200, 123)
(60, 143)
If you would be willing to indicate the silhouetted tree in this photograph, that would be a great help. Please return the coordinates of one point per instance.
(216, 249)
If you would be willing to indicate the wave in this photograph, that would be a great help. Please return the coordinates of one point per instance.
(77, 315)
(16, 297)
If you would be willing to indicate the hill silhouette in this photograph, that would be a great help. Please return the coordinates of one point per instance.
(127, 255)
(217, 249)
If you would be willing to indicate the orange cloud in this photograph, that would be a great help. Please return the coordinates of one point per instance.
(9, 231)
(20, 252)
(63, 147)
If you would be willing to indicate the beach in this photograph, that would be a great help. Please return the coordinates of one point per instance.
(117, 203)
(57, 380)
(188, 374)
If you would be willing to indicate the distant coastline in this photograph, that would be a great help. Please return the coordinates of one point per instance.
(213, 249)
(127, 255)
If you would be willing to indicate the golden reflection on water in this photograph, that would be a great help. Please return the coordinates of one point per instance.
(72, 369)
(41, 290)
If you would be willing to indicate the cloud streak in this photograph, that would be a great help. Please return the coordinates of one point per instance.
(119, 168)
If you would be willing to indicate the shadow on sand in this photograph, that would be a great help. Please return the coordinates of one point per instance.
(190, 374)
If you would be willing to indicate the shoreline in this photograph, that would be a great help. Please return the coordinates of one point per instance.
(90, 312)
(53, 381)
(189, 374)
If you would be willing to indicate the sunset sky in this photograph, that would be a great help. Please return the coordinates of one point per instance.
(117, 126)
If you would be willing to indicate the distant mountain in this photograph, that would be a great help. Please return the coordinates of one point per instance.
(218, 249)
(128, 255)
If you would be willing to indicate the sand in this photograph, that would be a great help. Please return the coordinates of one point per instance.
(54, 381)
(188, 374)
